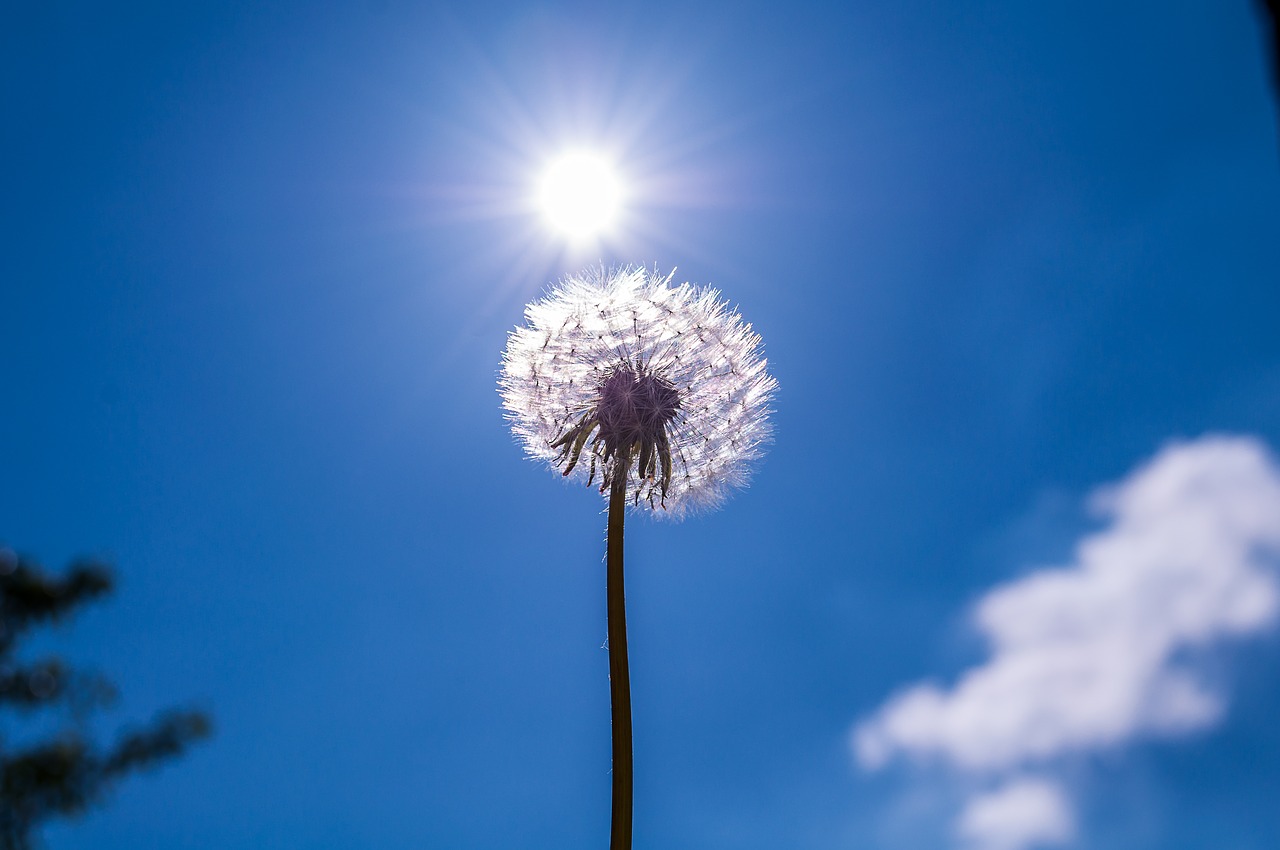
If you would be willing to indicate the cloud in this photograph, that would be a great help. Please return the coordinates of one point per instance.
(1023, 813)
(1094, 654)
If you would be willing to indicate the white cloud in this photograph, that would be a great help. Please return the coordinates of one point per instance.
(1093, 654)
(1025, 812)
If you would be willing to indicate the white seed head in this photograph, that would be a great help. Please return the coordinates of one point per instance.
(620, 372)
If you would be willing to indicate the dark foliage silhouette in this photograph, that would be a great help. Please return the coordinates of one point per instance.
(1271, 24)
(63, 776)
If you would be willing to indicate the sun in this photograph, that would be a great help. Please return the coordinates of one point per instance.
(580, 194)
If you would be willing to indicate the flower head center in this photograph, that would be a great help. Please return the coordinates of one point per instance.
(634, 407)
(626, 427)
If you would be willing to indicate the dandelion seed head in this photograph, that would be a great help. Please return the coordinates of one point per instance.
(622, 373)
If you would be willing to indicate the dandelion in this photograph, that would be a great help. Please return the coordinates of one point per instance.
(655, 392)
(659, 385)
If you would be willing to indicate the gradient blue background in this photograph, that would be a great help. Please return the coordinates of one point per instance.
(258, 266)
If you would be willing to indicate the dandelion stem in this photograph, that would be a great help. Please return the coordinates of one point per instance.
(619, 674)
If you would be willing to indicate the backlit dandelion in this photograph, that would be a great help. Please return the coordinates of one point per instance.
(661, 384)
(655, 392)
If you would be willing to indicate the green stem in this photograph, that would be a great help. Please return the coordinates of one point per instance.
(619, 675)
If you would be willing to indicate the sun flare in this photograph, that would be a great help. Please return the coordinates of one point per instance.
(580, 195)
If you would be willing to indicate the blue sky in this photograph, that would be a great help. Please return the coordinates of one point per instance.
(259, 267)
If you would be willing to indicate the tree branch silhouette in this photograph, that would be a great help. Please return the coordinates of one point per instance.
(1271, 23)
(65, 776)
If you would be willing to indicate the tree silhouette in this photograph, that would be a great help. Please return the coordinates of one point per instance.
(1271, 23)
(67, 774)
